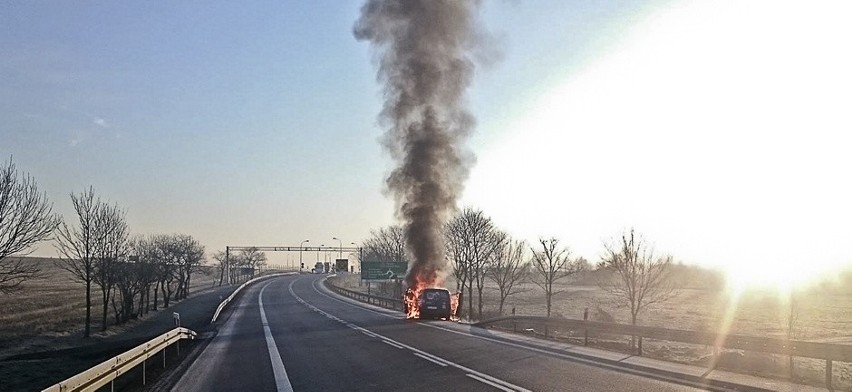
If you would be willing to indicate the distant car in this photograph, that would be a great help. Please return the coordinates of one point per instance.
(435, 303)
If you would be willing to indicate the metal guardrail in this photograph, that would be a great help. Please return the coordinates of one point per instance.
(824, 351)
(385, 302)
(233, 295)
(109, 370)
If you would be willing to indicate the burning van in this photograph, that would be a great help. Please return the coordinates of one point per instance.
(431, 303)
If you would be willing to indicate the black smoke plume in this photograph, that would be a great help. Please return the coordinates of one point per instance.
(424, 50)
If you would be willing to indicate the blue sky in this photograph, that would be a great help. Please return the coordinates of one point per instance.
(255, 122)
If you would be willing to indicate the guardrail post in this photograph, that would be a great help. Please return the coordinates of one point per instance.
(828, 374)
(640, 346)
(143, 371)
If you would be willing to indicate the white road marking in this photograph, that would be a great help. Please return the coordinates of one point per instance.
(391, 343)
(430, 359)
(430, 356)
(505, 384)
(482, 380)
(282, 382)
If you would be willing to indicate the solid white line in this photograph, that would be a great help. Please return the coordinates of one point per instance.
(391, 343)
(482, 380)
(282, 382)
(430, 360)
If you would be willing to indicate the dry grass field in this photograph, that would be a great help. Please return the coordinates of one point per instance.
(824, 315)
(49, 311)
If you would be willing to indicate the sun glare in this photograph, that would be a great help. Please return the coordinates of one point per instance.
(719, 129)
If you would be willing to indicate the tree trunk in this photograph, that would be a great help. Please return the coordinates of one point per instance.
(479, 300)
(156, 292)
(141, 306)
(116, 312)
(470, 300)
(87, 331)
(165, 296)
(633, 322)
(549, 297)
(105, 293)
(128, 305)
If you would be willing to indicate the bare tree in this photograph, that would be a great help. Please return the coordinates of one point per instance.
(221, 265)
(508, 268)
(235, 260)
(26, 217)
(385, 244)
(111, 247)
(190, 257)
(77, 245)
(252, 259)
(145, 257)
(128, 284)
(638, 278)
(473, 242)
(166, 268)
(551, 264)
(457, 254)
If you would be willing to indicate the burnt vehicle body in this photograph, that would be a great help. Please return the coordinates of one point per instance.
(435, 304)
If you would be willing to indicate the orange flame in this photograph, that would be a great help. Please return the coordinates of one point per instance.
(454, 306)
(412, 303)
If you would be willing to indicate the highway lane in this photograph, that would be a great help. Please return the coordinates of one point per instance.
(325, 343)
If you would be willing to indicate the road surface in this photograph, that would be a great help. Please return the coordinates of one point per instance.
(289, 333)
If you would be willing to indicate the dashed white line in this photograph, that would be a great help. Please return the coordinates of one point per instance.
(391, 344)
(430, 359)
(504, 385)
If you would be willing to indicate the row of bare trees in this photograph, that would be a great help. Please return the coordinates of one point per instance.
(480, 252)
(95, 247)
(98, 251)
(241, 266)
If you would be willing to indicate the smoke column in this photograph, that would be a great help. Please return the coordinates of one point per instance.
(424, 54)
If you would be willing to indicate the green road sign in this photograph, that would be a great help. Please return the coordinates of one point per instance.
(383, 270)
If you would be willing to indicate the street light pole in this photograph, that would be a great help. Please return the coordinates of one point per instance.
(341, 247)
(301, 245)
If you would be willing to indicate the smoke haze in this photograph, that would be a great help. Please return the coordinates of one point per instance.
(424, 50)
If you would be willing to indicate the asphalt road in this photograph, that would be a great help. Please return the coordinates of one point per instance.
(302, 338)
